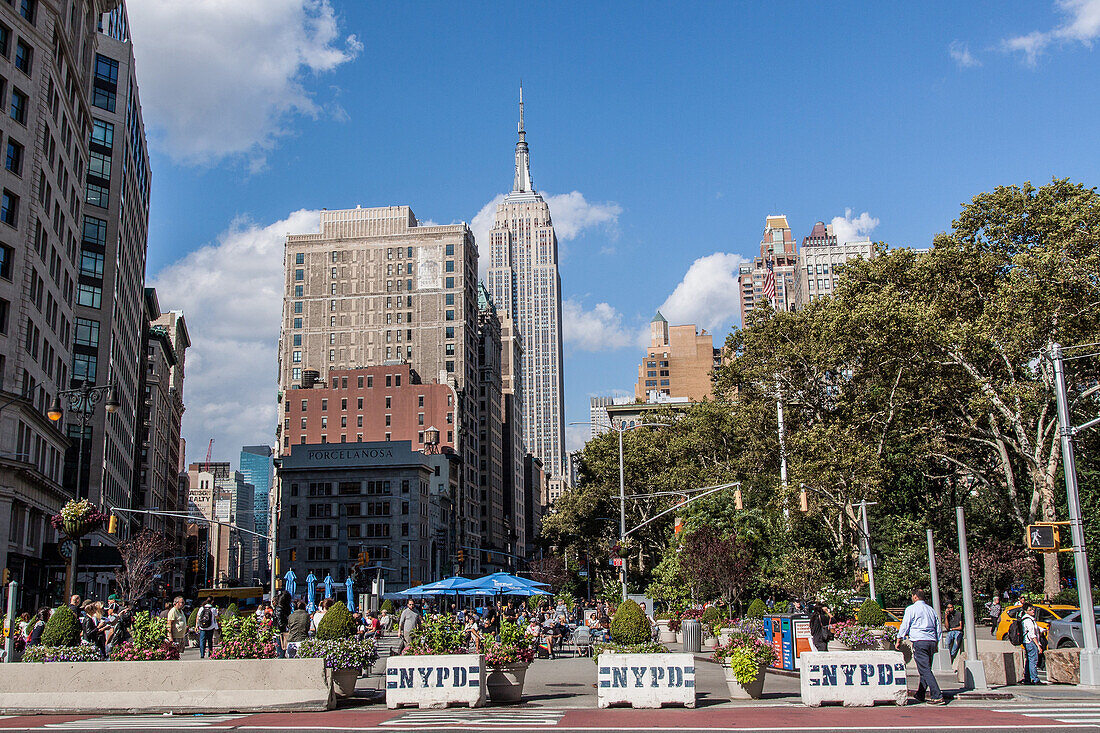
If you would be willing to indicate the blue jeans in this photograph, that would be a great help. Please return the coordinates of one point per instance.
(206, 642)
(922, 656)
(954, 642)
(1031, 666)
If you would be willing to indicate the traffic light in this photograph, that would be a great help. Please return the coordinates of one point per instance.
(1043, 537)
(7, 576)
(461, 556)
(738, 504)
(194, 566)
(112, 525)
(293, 555)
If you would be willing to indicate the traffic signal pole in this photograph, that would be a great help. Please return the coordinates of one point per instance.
(1090, 655)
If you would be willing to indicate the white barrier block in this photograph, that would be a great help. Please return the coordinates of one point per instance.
(435, 680)
(854, 678)
(646, 680)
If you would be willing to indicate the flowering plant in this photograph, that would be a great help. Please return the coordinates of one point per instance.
(244, 637)
(130, 652)
(856, 637)
(744, 654)
(82, 653)
(890, 634)
(751, 626)
(346, 653)
(440, 635)
(515, 646)
(83, 512)
(687, 613)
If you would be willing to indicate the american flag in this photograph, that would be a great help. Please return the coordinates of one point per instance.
(769, 282)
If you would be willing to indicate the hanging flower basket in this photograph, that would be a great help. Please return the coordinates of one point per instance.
(78, 518)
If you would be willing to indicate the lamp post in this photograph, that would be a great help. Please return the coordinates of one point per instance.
(622, 485)
(84, 398)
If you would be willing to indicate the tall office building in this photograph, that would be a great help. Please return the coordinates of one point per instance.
(47, 50)
(494, 533)
(523, 281)
(821, 254)
(258, 468)
(777, 251)
(375, 287)
(513, 451)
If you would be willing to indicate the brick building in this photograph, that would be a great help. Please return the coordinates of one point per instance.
(677, 363)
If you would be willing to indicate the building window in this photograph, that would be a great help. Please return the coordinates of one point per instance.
(99, 165)
(96, 195)
(87, 332)
(9, 208)
(299, 258)
(296, 374)
(298, 306)
(88, 296)
(450, 283)
(19, 106)
(450, 250)
(297, 323)
(23, 55)
(106, 69)
(450, 315)
(28, 9)
(84, 366)
(5, 40)
(299, 291)
(388, 420)
(7, 256)
(450, 266)
(450, 332)
(103, 98)
(299, 275)
(297, 358)
(14, 159)
(103, 133)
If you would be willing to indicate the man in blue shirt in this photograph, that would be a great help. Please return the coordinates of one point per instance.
(921, 626)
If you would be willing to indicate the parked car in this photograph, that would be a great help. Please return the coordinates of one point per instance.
(1066, 632)
(1044, 614)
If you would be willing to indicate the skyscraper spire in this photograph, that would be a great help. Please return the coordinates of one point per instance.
(522, 181)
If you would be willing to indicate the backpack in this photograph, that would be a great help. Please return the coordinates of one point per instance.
(205, 617)
(1015, 634)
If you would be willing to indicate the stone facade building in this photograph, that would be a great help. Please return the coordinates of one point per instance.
(819, 258)
(678, 362)
(778, 248)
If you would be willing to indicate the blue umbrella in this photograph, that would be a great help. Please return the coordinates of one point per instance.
(311, 592)
(329, 584)
(501, 583)
(516, 579)
(291, 582)
(351, 593)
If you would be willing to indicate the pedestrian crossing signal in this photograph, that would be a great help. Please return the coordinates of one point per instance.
(1042, 537)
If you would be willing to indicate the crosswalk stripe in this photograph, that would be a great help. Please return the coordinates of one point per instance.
(464, 719)
(121, 722)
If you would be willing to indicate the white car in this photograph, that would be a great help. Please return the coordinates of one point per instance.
(1066, 632)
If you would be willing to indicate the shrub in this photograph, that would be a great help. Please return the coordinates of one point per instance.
(129, 652)
(648, 647)
(630, 626)
(871, 614)
(231, 612)
(757, 609)
(149, 631)
(243, 637)
(441, 635)
(711, 615)
(193, 618)
(567, 598)
(1067, 597)
(387, 606)
(82, 653)
(339, 653)
(781, 607)
(857, 638)
(337, 623)
(62, 629)
(744, 654)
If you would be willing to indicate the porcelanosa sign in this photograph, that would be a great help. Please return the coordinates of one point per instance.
(347, 454)
(351, 455)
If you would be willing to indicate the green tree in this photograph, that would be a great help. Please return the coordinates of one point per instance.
(62, 628)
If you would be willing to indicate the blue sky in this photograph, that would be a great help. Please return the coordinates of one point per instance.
(680, 126)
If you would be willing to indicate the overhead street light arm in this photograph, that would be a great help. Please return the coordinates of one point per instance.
(706, 492)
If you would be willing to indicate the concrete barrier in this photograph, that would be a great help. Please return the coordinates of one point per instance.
(435, 680)
(853, 678)
(1064, 665)
(645, 680)
(192, 686)
(1003, 666)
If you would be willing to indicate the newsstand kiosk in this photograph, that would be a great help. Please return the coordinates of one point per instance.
(789, 635)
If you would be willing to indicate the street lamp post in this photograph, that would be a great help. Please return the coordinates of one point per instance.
(622, 487)
(84, 398)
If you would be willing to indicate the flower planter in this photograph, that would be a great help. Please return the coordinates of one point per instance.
(723, 638)
(665, 635)
(505, 682)
(75, 528)
(748, 691)
(435, 680)
(344, 681)
(646, 680)
(710, 643)
(679, 637)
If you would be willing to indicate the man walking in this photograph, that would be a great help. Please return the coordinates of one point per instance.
(206, 623)
(1032, 645)
(921, 626)
(405, 625)
(954, 630)
(177, 624)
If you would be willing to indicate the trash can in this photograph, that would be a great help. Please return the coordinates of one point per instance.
(693, 636)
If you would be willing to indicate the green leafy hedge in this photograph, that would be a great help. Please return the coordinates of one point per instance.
(62, 629)
(337, 623)
(757, 609)
(630, 626)
(387, 606)
(871, 614)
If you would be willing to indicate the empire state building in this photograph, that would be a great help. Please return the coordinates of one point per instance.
(523, 280)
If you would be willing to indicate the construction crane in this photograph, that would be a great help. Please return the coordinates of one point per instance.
(209, 450)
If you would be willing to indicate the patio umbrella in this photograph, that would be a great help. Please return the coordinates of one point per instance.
(516, 578)
(291, 582)
(351, 593)
(329, 585)
(311, 592)
(498, 583)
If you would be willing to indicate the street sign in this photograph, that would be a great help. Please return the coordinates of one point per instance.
(582, 573)
(616, 562)
(1042, 537)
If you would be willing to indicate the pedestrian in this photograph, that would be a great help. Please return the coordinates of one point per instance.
(994, 608)
(820, 633)
(177, 623)
(297, 624)
(954, 619)
(409, 620)
(1033, 645)
(34, 638)
(921, 626)
(319, 614)
(206, 623)
(385, 619)
(94, 627)
(75, 605)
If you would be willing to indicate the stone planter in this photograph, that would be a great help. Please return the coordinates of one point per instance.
(435, 680)
(906, 648)
(710, 643)
(723, 638)
(679, 637)
(184, 686)
(645, 680)
(505, 683)
(665, 635)
(343, 681)
(749, 691)
(1064, 665)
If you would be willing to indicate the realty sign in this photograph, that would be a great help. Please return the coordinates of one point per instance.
(853, 677)
(435, 680)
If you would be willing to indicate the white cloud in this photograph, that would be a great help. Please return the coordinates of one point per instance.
(707, 296)
(960, 52)
(849, 228)
(231, 293)
(1081, 25)
(571, 213)
(599, 329)
(221, 78)
(576, 436)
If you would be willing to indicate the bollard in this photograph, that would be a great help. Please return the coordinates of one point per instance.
(693, 636)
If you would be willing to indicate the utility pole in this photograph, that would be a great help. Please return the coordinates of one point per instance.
(867, 543)
(942, 661)
(975, 670)
(782, 447)
(622, 509)
(1090, 656)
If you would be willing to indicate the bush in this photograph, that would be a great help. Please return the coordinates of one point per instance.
(567, 598)
(757, 609)
(387, 606)
(630, 626)
(648, 647)
(339, 653)
(711, 615)
(781, 607)
(441, 635)
(149, 631)
(62, 629)
(129, 652)
(85, 653)
(231, 612)
(871, 614)
(337, 623)
(193, 618)
(1067, 597)
(245, 638)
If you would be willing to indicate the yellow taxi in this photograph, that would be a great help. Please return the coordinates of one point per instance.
(1044, 614)
(892, 618)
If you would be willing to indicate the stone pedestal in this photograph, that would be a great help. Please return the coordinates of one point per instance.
(1002, 667)
(1064, 665)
